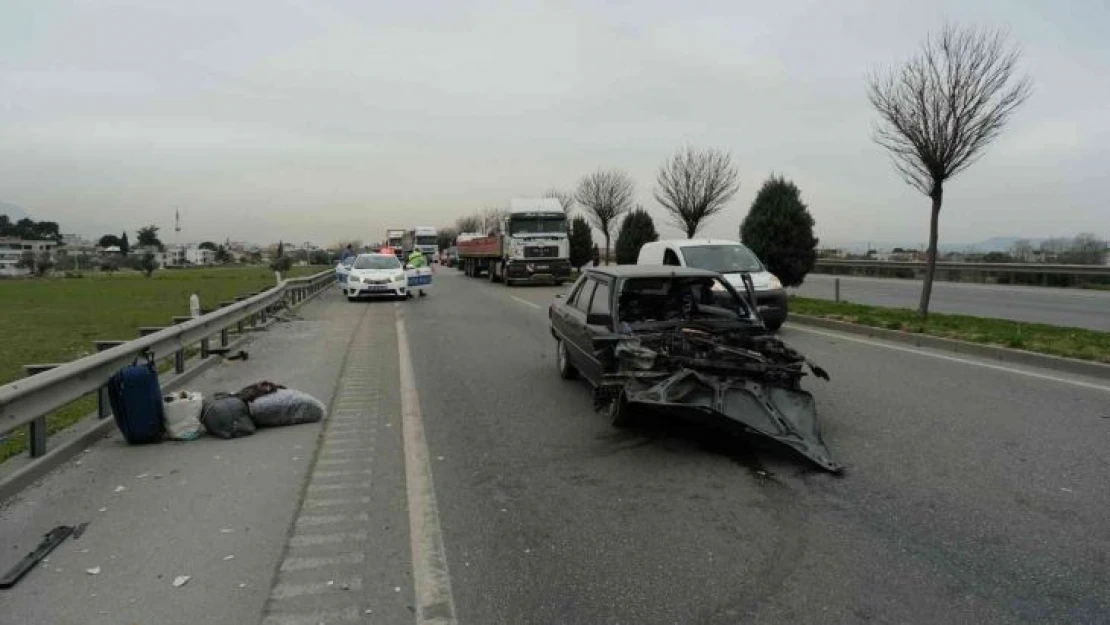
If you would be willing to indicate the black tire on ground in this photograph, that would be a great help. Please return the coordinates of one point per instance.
(621, 412)
(562, 362)
(774, 326)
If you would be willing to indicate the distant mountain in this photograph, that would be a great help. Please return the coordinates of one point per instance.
(993, 244)
(13, 212)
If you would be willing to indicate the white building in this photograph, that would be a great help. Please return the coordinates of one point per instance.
(13, 249)
(199, 256)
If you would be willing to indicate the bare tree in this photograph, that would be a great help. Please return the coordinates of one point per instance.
(693, 185)
(490, 217)
(939, 110)
(605, 195)
(566, 200)
(469, 223)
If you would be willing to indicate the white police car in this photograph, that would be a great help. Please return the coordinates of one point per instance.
(375, 275)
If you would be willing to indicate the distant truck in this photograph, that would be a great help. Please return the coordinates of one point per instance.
(423, 238)
(395, 239)
(529, 244)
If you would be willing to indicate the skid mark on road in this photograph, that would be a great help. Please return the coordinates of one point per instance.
(434, 601)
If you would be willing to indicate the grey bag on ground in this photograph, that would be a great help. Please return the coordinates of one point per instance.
(286, 407)
(226, 416)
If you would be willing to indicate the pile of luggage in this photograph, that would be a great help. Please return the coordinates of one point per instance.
(145, 415)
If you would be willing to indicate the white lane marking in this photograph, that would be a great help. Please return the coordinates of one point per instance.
(977, 363)
(288, 591)
(432, 581)
(317, 562)
(314, 520)
(340, 501)
(346, 615)
(526, 302)
(315, 488)
(313, 540)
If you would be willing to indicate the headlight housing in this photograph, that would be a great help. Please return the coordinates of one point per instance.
(399, 277)
(774, 282)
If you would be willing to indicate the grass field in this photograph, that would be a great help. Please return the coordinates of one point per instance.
(57, 319)
(1034, 337)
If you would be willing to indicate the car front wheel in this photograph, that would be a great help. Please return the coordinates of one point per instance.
(562, 360)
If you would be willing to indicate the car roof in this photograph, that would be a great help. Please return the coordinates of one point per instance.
(379, 254)
(649, 271)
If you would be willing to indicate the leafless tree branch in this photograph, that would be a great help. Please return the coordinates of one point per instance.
(605, 195)
(693, 185)
(940, 109)
(566, 200)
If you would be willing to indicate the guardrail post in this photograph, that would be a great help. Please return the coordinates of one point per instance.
(103, 404)
(223, 332)
(836, 285)
(179, 355)
(36, 430)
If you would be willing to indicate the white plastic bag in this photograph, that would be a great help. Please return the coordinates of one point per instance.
(183, 415)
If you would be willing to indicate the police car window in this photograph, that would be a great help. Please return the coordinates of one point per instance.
(584, 296)
(600, 303)
(670, 258)
(575, 291)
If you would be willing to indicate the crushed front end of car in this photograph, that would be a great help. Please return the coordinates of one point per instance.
(735, 374)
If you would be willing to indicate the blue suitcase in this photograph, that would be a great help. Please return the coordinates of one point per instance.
(136, 399)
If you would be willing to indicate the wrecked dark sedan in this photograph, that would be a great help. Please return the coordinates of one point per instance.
(683, 342)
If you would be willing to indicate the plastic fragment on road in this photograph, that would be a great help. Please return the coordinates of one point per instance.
(49, 541)
(120, 489)
(286, 407)
(226, 530)
(181, 580)
(229, 557)
(93, 571)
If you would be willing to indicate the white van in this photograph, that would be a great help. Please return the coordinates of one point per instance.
(729, 258)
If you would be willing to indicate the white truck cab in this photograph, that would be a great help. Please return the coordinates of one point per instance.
(730, 259)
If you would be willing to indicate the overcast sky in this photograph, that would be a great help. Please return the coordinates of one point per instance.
(316, 120)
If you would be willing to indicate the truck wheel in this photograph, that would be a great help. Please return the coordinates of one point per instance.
(566, 370)
(774, 326)
(620, 412)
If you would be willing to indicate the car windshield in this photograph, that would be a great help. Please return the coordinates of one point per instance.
(377, 261)
(724, 258)
(668, 298)
(426, 239)
(537, 224)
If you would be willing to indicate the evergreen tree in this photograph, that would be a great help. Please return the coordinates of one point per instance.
(581, 242)
(779, 229)
(124, 244)
(636, 229)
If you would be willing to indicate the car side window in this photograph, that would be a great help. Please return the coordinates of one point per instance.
(670, 258)
(600, 303)
(575, 290)
(582, 303)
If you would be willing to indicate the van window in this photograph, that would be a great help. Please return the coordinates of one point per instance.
(723, 258)
(670, 258)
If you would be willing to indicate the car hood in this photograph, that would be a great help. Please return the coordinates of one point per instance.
(761, 280)
(376, 273)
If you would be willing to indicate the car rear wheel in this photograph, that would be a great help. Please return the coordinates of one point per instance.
(774, 326)
(562, 360)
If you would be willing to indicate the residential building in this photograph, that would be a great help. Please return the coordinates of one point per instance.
(199, 256)
(12, 250)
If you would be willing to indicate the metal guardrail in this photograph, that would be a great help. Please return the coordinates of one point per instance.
(997, 268)
(26, 402)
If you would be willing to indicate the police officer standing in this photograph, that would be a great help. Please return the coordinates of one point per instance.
(417, 261)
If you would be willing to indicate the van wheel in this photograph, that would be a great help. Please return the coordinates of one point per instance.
(773, 326)
(562, 360)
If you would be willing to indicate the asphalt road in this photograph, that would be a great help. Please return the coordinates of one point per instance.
(1062, 307)
(974, 493)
